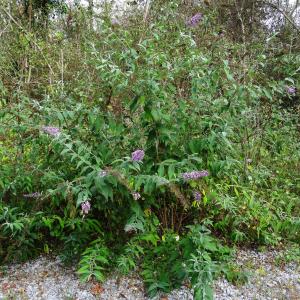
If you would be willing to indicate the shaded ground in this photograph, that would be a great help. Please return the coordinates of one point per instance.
(47, 279)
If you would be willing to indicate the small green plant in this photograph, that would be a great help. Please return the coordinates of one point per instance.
(206, 259)
(18, 234)
(290, 254)
(94, 260)
(235, 274)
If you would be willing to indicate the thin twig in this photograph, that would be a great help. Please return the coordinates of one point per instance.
(62, 68)
(3, 31)
(146, 13)
(147, 8)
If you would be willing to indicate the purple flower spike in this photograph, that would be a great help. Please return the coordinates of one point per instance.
(194, 175)
(54, 131)
(197, 195)
(195, 20)
(291, 90)
(85, 207)
(137, 155)
(136, 195)
(33, 195)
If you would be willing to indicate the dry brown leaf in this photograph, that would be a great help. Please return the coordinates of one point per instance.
(97, 289)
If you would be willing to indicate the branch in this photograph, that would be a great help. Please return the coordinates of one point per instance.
(3, 31)
(146, 10)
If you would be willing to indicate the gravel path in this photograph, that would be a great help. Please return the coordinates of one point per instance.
(47, 279)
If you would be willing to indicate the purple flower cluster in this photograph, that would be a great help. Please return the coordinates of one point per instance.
(33, 195)
(85, 207)
(137, 155)
(136, 195)
(194, 175)
(197, 195)
(291, 90)
(54, 131)
(194, 21)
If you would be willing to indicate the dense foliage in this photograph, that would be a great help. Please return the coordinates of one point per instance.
(153, 145)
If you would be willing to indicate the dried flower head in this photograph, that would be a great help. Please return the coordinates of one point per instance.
(194, 20)
(85, 207)
(194, 175)
(54, 131)
(102, 173)
(137, 155)
(136, 195)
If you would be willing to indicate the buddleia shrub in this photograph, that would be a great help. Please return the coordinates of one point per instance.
(121, 137)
